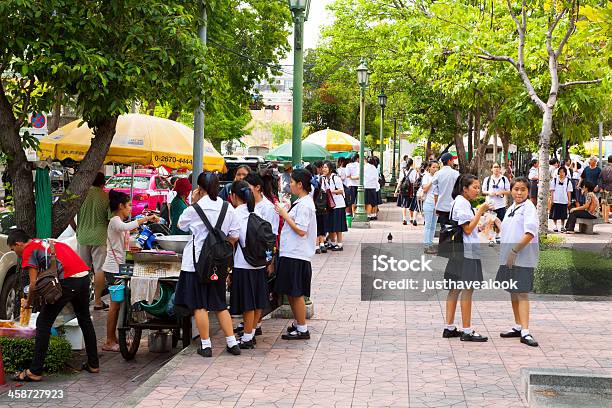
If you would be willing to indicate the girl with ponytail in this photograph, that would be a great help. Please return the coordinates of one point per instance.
(249, 287)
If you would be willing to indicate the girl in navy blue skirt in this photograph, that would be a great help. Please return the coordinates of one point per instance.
(297, 247)
(249, 288)
(190, 291)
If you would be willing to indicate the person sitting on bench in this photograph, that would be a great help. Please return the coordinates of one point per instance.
(589, 210)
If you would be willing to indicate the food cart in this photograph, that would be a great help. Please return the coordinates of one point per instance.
(162, 269)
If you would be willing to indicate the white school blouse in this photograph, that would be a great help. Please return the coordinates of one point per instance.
(370, 177)
(352, 170)
(520, 219)
(191, 221)
(335, 183)
(494, 184)
(292, 245)
(560, 188)
(534, 174)
(463, 213)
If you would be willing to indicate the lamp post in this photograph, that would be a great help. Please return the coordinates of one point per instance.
(382, 101)
(198, 117)
(361, 218)
(393, 181)
(299, 9)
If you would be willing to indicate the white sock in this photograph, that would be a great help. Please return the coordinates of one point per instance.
(403, 218)
(302, 329)
(231, 341)
(451, 327)
(517, 327)
(468, 330)
(206, 343)
(247, 337)
(340, 244)
(524, 332)
(253, 333)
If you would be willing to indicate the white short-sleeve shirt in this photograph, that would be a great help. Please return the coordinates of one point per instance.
(494, 184)
(520, 219)
(191, 221)
(559, 189)
(370, 176)
(266, 210)
(292, 245)
(341, 171)
(463, 213)
(335, 183)
(533, 174)
(352, 170)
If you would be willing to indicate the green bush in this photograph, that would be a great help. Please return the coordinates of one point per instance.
(551, 241)
(17, 354)
(478, 200)
(567, 271)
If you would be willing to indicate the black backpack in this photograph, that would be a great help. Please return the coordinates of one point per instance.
(260, 242)
(217, 256)
(407, 188)
(450, 244)
(320, 200)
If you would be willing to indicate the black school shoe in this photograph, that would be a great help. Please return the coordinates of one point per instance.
(239, 328)
(246, 344)
(296, 335)
(447, 334)
(473, 336)
(205, 352)
(291, 328)
(258, 331)
(509, 334)
(529, 340)
(235, 350)
(337, 248)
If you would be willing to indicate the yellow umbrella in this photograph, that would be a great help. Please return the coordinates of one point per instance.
(142, 139)
(333, 140)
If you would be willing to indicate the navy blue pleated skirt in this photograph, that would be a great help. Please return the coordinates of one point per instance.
(336, 220)
(558, 212)
(371, 196)
(249, 290)
(194, 295)
(463, 269)
(293, 277)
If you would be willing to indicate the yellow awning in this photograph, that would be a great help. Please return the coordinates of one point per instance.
(141, 139)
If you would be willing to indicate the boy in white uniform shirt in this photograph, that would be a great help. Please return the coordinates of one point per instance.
(496, 187)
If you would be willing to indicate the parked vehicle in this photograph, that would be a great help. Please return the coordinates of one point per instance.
(150, 189)
(232, 163)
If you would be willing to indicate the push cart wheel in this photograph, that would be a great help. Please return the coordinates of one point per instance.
(129, 341)
(186, 331)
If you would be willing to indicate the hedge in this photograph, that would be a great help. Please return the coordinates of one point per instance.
(17, 354)
(568, 271)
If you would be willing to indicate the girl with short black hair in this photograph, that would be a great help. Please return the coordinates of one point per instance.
(560, 197)
(190, 291)
(297, 247)
(468, 267)
(519, 253)
(335, 222)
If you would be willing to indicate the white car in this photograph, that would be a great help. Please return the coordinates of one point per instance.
(9, 278)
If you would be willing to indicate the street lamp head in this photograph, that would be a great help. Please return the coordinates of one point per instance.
(382, 98)
(362, 73)
(299, 6)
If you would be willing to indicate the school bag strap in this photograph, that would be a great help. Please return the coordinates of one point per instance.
(207, 222)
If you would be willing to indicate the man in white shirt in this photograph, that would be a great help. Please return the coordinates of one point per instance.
(443, 183)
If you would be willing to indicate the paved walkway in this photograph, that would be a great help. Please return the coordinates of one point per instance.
(381, 354)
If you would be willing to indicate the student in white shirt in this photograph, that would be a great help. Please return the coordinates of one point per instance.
(117, 240)
(406, 194)
(352, 181)
(335, 222)
(560, 198)
(297, 247)
(467, 268)
(249, 287)
(519, 257)
(429, 206)
(534, 177)
(371, 187)
(190, 292)
(496, 187)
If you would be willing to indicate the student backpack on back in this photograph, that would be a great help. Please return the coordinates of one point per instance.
(260, 242)
(407, 188)
(217, 255)
(320, 201)
(451, 239)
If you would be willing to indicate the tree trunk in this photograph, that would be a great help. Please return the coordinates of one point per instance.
(69, 203)
(470, 136)
(505, 139)
(544, 156)
(151, 107)
(459, 142)
(18, 167)
(54, 123)
(174, 115)
(428, 145)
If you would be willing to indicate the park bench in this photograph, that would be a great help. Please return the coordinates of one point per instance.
(585, 225)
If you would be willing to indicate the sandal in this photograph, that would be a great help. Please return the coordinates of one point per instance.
(90, 369)
(114, 348)
(25, 376)
(103, 307)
